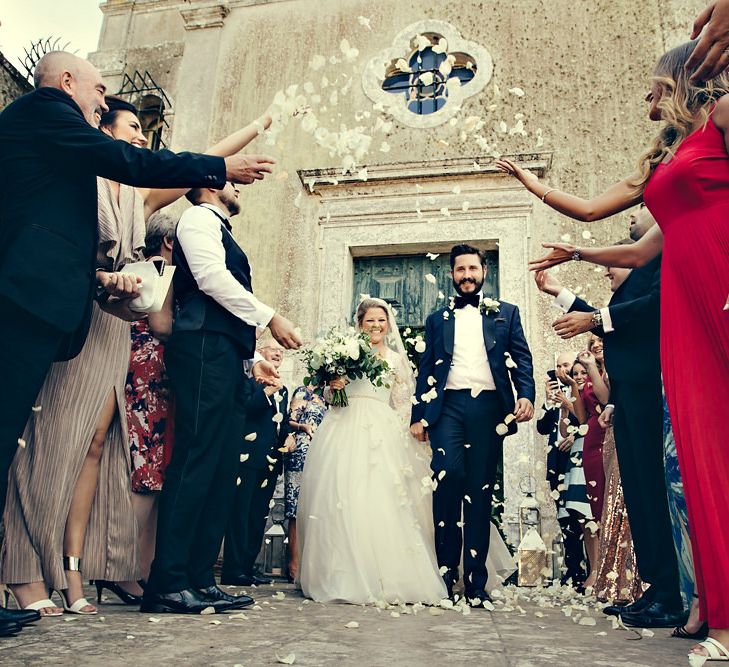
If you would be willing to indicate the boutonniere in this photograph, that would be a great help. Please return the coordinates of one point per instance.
(488, 306)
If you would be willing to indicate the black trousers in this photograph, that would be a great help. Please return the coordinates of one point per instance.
(28, 347)
(638, 424)
(211, 392)
(574, 550)
(247, 521)
(466, 452)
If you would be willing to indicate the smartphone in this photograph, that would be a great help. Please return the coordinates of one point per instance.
(159, 264)
(552, 374)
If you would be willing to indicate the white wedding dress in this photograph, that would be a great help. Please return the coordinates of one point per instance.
(364, 520)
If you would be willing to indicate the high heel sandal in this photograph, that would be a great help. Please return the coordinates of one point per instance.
(682, 633)
(125, 596)
(73, 564)
(38, 605)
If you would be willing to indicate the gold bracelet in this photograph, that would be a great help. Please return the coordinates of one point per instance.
(544, 196)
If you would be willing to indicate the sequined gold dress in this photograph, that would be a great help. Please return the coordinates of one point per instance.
(617, 577)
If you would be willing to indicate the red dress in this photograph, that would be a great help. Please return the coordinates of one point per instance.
(592, 452)
(689, 197)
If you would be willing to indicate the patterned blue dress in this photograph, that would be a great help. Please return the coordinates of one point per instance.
(307, 407)
(677, 508)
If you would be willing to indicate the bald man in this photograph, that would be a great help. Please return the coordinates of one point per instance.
(52, 153)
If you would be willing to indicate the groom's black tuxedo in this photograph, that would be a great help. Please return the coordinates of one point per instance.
(502, 333)
(462, 427)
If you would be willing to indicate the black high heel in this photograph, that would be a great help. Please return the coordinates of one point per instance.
(124, 596)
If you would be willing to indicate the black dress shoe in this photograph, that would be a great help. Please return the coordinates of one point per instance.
(477, 598)
(450, 579)
(9, 629)
(20, 616)
(188, 601)
(633, 608)
(656, 615)
(244, 580)
(236, 601)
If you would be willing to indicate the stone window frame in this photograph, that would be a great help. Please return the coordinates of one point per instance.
(374, 73)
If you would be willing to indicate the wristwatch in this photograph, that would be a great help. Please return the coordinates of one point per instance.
(576, 255)
(596, 318)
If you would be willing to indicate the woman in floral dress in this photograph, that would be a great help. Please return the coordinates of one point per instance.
(307, 409)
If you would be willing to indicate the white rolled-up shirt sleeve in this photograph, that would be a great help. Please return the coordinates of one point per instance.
(564, 300)
(199, 234)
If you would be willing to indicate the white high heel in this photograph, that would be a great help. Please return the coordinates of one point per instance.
(716, 650)
(73, 564)
(38, 605)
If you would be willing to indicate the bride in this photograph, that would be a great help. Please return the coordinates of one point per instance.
(364, 518)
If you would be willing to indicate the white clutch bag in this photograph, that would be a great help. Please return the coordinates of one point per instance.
(156, 280)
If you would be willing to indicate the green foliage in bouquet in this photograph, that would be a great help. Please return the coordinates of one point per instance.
(344, 353)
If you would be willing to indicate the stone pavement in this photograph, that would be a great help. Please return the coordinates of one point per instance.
(525, 631)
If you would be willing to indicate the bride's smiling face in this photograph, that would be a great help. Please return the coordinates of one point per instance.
(374, 323)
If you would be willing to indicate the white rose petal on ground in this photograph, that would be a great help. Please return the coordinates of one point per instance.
(289, 659)
(207, 611)
(587, 620)
(364, 21)
(352, 625)
(586, 235)
(516, 91)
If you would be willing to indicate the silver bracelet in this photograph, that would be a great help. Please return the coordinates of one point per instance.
(544, 196)
(576, 255)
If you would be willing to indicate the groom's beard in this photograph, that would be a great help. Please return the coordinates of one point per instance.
(467, 281)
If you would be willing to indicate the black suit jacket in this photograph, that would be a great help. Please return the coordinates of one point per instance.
(263, 451)
(632, 350)
(49, 162)
(502, 332)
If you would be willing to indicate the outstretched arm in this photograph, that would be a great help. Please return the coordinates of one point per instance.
(155, 199)
(629, 256)
(710, 57)
(616, 198)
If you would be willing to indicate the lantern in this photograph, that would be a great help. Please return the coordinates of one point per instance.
(274, 542)
(532, 554)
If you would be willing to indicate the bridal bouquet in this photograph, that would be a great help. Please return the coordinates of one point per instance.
(344, 353)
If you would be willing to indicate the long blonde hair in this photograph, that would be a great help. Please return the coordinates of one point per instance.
(682, 103)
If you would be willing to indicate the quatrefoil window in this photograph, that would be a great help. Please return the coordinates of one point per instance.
(428, 75)
(424, 78)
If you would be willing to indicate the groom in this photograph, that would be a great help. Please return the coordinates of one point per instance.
(475, 349)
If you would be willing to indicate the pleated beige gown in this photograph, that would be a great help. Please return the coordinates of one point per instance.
(44, 473)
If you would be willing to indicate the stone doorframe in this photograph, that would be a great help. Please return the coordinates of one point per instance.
(418, 207)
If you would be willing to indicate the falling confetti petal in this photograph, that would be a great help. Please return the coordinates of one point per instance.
(287, 659)
(250, 438)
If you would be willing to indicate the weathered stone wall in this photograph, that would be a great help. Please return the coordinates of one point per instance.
(12, 83)
(584, 66)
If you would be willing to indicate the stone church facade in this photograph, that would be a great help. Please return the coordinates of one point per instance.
(556, 84)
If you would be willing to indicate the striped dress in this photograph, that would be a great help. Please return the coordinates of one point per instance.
(58, 435)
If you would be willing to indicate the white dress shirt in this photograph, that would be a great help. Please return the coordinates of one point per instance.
(199, 234)
(470, 368)
(565, 299)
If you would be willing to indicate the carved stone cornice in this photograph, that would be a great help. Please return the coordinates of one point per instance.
(313, 179)
(212, 16)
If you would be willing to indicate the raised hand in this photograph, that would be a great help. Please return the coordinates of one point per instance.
(573, 324)
(247, 169)
(526, 177)
(264, 372)
(284, 332)
(710, 57)
(559, 254)
(606, 417)
(547, 283)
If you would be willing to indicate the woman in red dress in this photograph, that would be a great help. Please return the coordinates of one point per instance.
(684, 179)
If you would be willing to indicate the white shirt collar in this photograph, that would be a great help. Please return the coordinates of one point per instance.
(215, 209)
